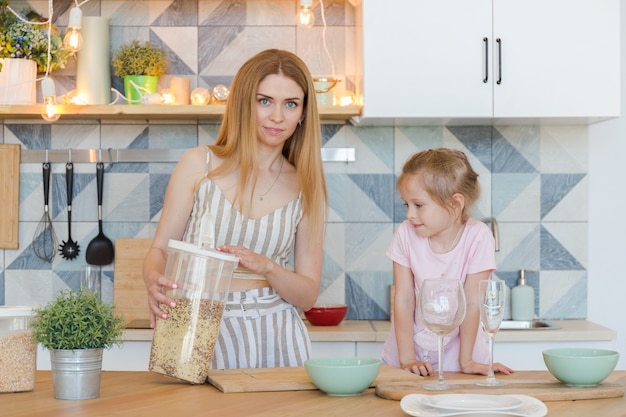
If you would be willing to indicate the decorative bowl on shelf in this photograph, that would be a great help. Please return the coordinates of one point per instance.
(342, 376)
(580, 367)
(326, 315)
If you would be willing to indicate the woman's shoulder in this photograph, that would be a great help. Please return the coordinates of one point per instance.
(198, 153)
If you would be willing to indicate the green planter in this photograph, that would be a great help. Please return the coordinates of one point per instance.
(136, 86)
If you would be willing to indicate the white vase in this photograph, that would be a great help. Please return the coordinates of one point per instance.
(93, 68)
(18, 79)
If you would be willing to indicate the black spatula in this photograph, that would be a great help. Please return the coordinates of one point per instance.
(100, 250)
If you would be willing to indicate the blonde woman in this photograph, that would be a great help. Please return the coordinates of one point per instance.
(263, 183)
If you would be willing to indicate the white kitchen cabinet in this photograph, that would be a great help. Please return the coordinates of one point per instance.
(491, 59)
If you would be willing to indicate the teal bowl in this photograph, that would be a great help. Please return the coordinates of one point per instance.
(580, 367)
(342, 376)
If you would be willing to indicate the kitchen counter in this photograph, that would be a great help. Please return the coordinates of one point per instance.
(377, 330)
(140, 394)
(519, 349)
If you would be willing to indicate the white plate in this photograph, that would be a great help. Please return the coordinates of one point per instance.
(471, 402)
(413, 405)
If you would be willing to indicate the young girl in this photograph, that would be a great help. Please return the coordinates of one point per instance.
(439, 238)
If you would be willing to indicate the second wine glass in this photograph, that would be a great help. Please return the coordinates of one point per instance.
(442, 309)
(491, 304)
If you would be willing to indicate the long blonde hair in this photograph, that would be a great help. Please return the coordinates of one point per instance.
(236, 141)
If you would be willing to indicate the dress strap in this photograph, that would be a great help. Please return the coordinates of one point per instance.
(208, 161)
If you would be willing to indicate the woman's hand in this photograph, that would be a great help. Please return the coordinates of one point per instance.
(419, 368)
(252, 261)
(157, 287)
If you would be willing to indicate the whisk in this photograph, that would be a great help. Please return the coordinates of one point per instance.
(45, 240)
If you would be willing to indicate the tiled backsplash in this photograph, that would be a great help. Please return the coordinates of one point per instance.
(534, 178)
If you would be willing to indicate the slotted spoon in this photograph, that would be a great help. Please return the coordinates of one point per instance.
(69, 249)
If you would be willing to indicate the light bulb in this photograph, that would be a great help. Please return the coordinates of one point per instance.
(73, 39)
(49, 110)
(221, 92)
(200, 96)
(168, 97)
(348, 98)
(305, 16)
(74, 97)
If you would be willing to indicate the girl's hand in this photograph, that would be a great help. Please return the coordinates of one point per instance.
(157, 288)
(483, 369)
(419, 368)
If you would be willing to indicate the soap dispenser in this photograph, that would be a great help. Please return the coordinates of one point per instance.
(522, 300)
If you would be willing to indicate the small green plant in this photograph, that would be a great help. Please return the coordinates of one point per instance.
(76, 320)
(136, 58)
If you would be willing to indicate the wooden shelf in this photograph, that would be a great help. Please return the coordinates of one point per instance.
(151, 111)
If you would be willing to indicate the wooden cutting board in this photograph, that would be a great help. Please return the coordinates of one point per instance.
(129, 291)
(541, 385)
(10, 192)
(291, 379)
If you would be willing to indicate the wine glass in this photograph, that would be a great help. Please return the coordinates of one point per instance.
(491, 305)
(441, 308)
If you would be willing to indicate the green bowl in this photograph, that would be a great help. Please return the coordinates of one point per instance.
(580, 367)
(342, 376)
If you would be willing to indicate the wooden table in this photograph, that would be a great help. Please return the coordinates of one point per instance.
(140, 394)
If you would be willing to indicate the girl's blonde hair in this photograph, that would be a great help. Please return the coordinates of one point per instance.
(236, 141)
(442, 173)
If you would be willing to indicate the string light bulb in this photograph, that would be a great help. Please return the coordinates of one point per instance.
(200, 96)
(73, 39)
(305, 16)
(168, 97)
(49, 110)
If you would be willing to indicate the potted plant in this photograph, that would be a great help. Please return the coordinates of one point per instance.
(140, 65)
(24, 53)
(76, 327)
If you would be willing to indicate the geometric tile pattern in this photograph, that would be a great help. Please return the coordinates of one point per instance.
(533, 178)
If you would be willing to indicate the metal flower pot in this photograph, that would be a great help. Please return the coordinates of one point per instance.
(76, 373)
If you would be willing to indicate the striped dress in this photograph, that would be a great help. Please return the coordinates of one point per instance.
(259, 329)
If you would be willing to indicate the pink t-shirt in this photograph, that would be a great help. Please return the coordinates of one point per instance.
(475, 252)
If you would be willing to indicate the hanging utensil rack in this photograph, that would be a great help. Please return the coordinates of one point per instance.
(110, 156)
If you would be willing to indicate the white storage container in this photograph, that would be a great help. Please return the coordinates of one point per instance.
(18, 349)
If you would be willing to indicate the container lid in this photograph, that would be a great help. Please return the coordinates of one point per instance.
(16, 311)
(188, 247)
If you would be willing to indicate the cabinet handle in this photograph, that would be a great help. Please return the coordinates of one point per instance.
(486, 42)
(499, 41)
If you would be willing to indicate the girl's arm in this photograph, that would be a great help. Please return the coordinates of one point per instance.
(469, 329)
(403, 317)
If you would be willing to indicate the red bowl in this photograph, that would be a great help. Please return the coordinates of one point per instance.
(326, 315)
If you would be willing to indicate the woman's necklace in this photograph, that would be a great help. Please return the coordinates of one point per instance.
(280, 168)
(456, 238)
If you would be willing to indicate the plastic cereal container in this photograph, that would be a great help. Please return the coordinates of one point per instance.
(18, 349)
(183, 343)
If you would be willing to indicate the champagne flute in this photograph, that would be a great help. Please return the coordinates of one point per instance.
(441, 308)
(491, 304)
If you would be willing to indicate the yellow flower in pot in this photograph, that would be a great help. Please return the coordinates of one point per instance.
(140, 65)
